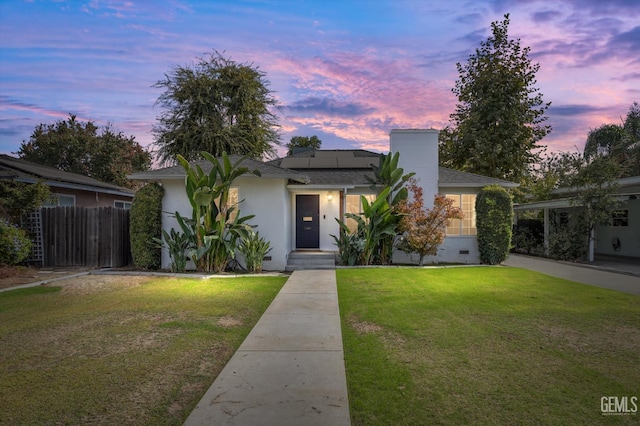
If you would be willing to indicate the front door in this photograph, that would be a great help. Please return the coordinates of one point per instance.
(307, 221)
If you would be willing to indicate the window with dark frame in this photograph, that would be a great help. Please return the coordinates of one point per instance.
(620, 218)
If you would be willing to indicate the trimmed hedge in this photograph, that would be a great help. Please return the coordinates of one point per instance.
(146, 224)
(494, 218)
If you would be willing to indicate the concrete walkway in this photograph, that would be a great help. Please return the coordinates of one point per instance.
(290, 369)
(583, 274)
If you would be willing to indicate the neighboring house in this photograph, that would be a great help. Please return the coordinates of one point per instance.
(620, 237)
(70, 189)
(298, 198)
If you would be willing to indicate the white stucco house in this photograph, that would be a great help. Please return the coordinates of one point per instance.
(297, 198)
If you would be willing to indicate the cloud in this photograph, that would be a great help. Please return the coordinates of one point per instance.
(627, 77)
(329, 107)
(573, 110)
(546, 16)
(629, 39)
(362, 96)
(7, 103)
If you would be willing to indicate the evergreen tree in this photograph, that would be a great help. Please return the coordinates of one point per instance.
(499, 118)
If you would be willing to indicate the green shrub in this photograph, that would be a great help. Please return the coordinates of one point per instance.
(146, 224)
(567, 240)
(494, 217)
(15, 244)
(350, 246)
(254, 248)
(528, 237)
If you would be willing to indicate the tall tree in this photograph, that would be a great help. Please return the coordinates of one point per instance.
(500, 113)
(620, 143)
(216, 105)
(73, 146)
(303, 142)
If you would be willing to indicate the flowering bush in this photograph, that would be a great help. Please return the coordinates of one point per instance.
(15, 244)
(423, 230)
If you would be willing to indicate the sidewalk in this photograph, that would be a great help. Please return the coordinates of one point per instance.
(581, 273)
(290, 368)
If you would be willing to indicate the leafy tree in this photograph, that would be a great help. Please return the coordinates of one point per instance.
(591, 183)
(18, 199)
(424, 229)
(303, 142)
(620, 143)
(216, 106)
(72, 146)
(499, 118)
(557, 170)
(595, 188)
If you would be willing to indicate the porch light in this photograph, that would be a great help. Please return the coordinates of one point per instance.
(330, 196)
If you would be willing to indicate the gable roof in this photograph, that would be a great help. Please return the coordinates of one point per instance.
(327, 167)
(267, 170)
(349, 167)
(12, 168)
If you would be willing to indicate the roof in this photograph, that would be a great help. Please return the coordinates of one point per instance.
(328, 167)
(267, 170)
(450, 178)
(627, 188)
(12, 168)
(349, 167)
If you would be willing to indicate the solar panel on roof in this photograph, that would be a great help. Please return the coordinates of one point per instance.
(295, 162)
(334, 154)
(366, 162)
(323, 163)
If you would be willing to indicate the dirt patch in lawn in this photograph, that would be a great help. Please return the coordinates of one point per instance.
(594, 341)
(90, 284)
(11, 276)
(227, 322)
(363, 327)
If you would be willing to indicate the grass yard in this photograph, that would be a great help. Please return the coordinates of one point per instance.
(121, 350)
(485, 345)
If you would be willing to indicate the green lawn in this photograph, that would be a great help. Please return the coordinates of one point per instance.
(485, 345)
(134, 351)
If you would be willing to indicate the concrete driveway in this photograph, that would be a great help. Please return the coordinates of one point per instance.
(622, 281)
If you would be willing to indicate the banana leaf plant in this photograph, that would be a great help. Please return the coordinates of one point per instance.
(177, 243)
(387, 174)
(375, 223)
(214, 228)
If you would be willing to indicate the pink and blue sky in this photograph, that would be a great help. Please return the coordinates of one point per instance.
(346, 71)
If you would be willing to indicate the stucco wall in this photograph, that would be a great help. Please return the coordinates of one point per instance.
(174, 200)
(629, 236)
(418, 150)
(266, 198)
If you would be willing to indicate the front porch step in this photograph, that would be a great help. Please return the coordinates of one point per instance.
(300, 260)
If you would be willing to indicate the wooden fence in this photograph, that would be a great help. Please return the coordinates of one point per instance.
(81, 236)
